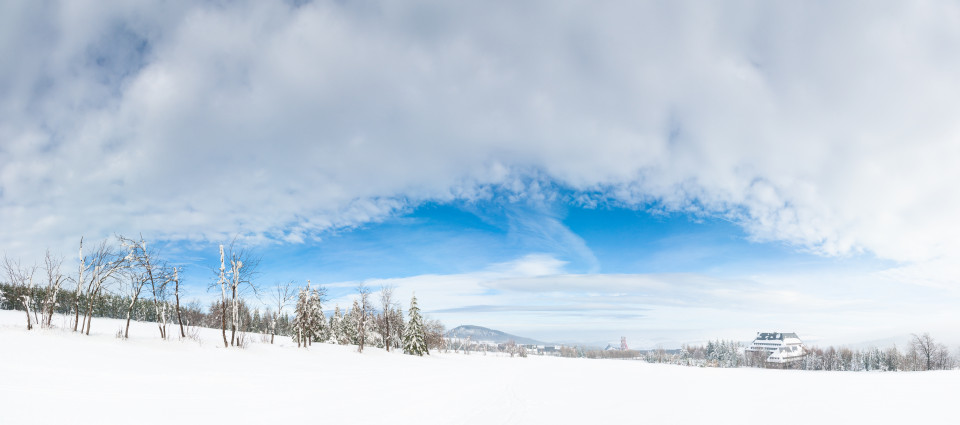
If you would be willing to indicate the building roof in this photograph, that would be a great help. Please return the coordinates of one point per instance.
(775, 336)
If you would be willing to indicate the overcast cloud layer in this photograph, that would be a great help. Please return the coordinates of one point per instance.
(828, 125)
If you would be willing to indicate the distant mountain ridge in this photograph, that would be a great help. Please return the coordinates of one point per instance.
(480, 333)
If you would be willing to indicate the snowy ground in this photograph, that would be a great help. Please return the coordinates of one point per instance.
(55, 376)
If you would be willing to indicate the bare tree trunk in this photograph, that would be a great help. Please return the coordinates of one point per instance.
(223, 300)
(273, 326)
(236, 264)
(76, 319)
(52, 305)
(76, 309)
(233, 321)
(223, 323)
(26, 305)
(282, 295)
(163, 316)
(126, 332)
(89, 316)
(362, 318)
(136, 287)
(91, 298)
(386, 302)
(153, 287)
(176, 296)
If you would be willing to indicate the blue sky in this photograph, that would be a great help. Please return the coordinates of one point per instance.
(666, 171)
(462, 239)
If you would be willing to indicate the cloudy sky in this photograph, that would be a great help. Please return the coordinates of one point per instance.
(669, 171)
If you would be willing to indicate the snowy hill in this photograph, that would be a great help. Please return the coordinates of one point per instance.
(480, 333)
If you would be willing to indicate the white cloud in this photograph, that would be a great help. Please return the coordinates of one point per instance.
(535, 296)
(829, 126)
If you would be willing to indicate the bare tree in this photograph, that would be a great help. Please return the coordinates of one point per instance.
(510, 347)
(386, 318)
(101, 267)
(176, 295)
(929, 354)
(154, 273)
(79, 281)
(159, 286)
(22, 279)
(363, 313)
(222, 281)
(243, 268)
(54, 280)
(282, 295)
(433, 331)
(943, 360)
(135, 283)
(93, 272)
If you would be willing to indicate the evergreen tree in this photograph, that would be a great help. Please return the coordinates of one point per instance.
(350, 323)
(414, 338)
(336, 327)
(256, 322)
(318, 324)
(309, 324)
(301, 329)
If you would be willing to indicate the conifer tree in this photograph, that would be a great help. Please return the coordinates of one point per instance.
(349, 323)
(301, 319)
(317, 323)
(309, 324)
(414, 338)
(337, 335)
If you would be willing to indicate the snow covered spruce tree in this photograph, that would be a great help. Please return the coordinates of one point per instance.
(414, 339)
(349, 324)
(337, 335)
(308, 323)
(301, 320)
(318, 322)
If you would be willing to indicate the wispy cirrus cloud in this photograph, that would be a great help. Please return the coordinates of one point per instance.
(536, 296)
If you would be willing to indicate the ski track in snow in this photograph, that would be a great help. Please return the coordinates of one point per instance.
(56, 376)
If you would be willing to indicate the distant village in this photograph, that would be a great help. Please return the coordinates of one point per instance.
(781, 350)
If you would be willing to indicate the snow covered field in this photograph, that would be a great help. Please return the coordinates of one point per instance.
(55, 376)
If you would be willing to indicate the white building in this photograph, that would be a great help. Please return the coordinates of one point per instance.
(780, 347)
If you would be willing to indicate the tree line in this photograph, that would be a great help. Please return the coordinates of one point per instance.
(922, 353)
(128, 280)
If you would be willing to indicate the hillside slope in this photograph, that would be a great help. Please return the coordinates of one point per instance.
(480, 333)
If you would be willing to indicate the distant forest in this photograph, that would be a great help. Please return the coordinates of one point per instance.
(923, 353)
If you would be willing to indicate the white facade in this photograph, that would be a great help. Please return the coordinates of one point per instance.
(781, 347)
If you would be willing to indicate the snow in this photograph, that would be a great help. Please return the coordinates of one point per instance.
(56, 376)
